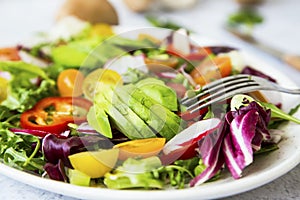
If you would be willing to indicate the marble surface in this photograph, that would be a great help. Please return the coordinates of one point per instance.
(19, 19)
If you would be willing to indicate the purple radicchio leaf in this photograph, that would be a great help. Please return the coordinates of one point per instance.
(56, 171)
(243, 132)
(262, 132)
(213, 159)
(237, 146)
(56, 149)
(251, 71)
(87, 129)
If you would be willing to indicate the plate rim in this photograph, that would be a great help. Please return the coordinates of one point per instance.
(95, 193)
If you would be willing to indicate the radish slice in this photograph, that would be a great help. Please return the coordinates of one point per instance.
(191, 135)
(181, 41)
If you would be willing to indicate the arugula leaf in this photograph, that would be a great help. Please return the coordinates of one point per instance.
(294, 110)
(177, 174)
(17, 151)
(8, 118)
(266, 149)
(278, 113)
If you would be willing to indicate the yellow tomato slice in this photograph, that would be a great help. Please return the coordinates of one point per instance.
(3, 89)
(69, 83)
(95, 163)
(143, 148)
(95, 80)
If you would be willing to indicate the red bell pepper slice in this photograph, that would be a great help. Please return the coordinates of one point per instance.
(52, 114)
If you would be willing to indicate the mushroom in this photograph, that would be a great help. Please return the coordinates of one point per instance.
(93, 11)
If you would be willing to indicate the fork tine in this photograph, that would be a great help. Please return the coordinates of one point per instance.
(226, 95)
(224, 90)
(216, 85)
(227, 87)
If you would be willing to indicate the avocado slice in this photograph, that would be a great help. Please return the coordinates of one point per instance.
(125, 110)
(98, 119)
(141, 111)
(116, 116)
(155, 115)
(158, 91)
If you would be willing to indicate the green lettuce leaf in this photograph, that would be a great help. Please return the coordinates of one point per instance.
(17, 67)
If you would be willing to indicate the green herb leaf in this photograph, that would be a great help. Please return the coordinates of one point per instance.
(245, 16)
(277, 113)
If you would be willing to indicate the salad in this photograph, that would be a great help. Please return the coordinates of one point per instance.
(85, 106)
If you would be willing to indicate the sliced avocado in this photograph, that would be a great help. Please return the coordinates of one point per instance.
(86, 53)
(155, 115)
(118, 119)
(125, 110)
(98, 119)
(158, 91)
(141, 111)
(149, 103)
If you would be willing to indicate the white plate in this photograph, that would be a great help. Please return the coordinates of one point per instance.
(265, 168)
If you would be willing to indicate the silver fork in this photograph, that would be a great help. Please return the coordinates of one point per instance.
(227, 87)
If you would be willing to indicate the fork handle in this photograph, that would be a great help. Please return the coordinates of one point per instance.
(292, 60)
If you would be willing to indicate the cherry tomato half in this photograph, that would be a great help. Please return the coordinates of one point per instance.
(93, 81)
(69, 83)
(211, 70)
(11, 54)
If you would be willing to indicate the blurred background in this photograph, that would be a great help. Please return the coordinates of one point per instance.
(279, 28)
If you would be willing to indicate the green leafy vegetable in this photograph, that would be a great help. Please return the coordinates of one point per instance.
(266, 149)
(244, 21)
(278, 113)
(135, 174)
(245, 16)
(28, 84)
(150, 173)
(23, 98)
(17, 67)
(8, 118)
(17, 151)
(178, 174)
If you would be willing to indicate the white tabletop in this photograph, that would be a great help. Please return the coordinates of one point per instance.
(20, 19)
